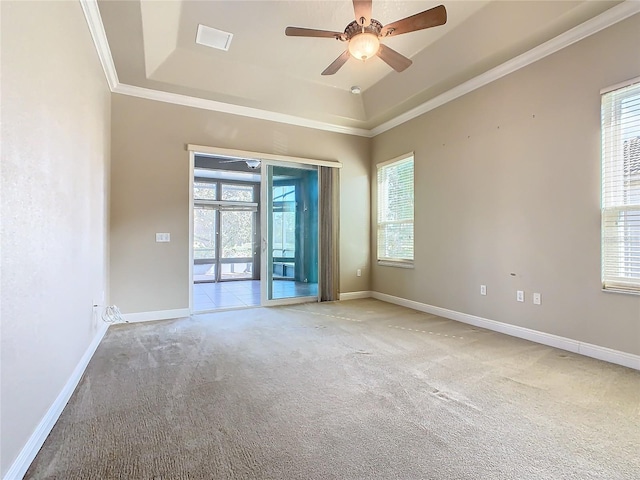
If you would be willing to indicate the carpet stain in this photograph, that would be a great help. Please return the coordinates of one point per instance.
(399, 327)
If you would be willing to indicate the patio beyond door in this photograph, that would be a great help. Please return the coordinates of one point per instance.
(226, 232)
(255, 233)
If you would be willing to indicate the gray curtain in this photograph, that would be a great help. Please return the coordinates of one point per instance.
(329, 278)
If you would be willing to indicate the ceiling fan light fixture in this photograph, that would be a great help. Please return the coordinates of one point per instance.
(253, 164)
(364, 45)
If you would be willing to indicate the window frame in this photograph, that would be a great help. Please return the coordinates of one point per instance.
(615, 185)
(394, 261)
(219, 206)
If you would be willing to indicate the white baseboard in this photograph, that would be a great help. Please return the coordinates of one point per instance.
(159, 315)
(563, 343)
(609, 355)
(355, 295)
(33, 445)
(39, 435)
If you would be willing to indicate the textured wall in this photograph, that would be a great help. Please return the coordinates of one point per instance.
(150, 193)
(55, 150)
(508, 181)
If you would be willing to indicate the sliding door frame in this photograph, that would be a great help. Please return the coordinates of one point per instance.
(265, 159)
(266, 267)
(192, 164)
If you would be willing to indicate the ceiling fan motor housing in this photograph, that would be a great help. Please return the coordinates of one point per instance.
(354, 28)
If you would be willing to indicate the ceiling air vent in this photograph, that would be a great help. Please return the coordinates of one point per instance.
(214, 38)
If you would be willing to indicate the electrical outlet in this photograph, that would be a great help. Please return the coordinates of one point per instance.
(483, 289)
(537, 299)
(520, 296)
(163, 237)
(358, 273)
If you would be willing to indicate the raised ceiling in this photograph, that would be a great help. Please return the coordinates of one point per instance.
(153, 46)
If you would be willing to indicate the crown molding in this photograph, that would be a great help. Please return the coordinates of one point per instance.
(606, 19)
(215, 106)
(610, 17)
(99, 36)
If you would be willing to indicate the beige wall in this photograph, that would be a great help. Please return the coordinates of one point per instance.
(508, 181)
(55, 150)
(150, 193)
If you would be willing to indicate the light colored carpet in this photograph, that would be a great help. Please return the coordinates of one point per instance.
(347, 390)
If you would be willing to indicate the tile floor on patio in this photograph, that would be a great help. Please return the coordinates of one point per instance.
(245, 293)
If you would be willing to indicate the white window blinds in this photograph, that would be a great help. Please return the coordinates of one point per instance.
(621, 189)
(395, 211)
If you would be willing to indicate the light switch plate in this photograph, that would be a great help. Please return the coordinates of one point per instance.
(163, 237)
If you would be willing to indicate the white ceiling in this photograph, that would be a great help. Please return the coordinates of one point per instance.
(153, 46)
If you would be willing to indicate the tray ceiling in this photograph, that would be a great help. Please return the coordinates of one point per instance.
(153, 46)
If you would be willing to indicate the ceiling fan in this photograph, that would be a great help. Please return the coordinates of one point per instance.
(364, 34)
(252, 163)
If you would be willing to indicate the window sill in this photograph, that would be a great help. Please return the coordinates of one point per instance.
(389, 263)
(621, 290)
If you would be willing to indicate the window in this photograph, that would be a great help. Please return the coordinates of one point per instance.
(204, 236)
(237, 193)
(284, 222)
(395, 212)
(204, 190)
(621, 189)
(224, 228)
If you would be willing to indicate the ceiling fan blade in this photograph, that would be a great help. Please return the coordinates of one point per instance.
(310, 32)
(429, 18)
(337, 63)
(362, 9)
(392, 58)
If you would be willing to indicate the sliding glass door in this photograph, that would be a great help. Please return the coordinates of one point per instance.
(290, 239)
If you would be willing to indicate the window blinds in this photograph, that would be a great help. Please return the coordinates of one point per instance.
(621, 189)
(395, 211)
